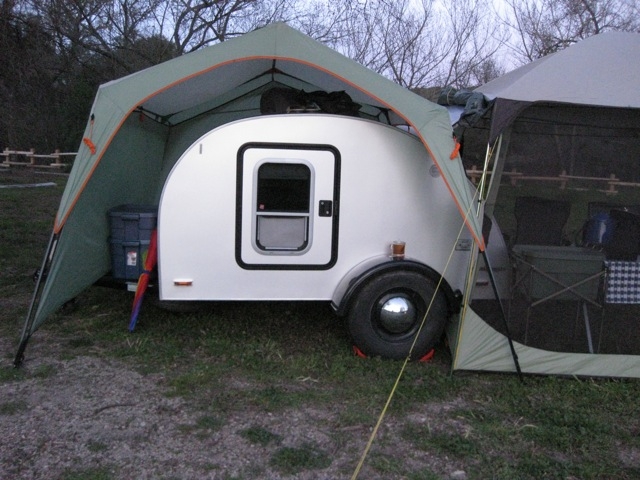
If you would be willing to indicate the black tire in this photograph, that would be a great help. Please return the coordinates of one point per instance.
(381, 332)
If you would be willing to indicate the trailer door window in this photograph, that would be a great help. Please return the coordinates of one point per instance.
(283, 187)
(283, 205)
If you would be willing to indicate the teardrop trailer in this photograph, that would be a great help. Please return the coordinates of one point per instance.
(305, 207)
(295, 206)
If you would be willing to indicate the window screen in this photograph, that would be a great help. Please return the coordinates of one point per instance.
(282, 233)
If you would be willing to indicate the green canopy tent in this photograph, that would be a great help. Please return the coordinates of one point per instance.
(575, 111)
(142, 123)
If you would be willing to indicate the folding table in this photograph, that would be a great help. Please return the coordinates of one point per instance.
(545, 273)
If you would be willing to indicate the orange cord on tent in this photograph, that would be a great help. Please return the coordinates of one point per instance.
(87, 140)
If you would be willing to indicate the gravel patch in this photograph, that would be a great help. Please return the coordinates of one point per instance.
(91, 417)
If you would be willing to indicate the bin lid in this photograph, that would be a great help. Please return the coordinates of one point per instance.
(135, 209)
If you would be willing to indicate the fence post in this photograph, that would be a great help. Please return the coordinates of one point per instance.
(514, 180)
(472, 174)
(563, 182)
(612, 185)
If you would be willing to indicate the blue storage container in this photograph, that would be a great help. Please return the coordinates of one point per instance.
(127, 259)
(599, 230)
(130, 227)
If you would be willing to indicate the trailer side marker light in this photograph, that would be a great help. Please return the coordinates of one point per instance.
(183, 283)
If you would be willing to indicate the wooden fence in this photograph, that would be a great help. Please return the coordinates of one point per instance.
(31, 159)
(608, 185)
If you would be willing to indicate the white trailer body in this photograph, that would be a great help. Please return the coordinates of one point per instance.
(305, 207)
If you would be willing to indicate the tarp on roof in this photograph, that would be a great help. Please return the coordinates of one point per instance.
(576, 111)
(142, 123)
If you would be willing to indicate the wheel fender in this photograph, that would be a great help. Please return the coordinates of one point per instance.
(357, 277)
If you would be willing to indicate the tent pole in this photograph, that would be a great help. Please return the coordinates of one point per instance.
(482, 197)
(35, 299)
(502, 313)
(499, 153)
(495, 153)
(482, 188)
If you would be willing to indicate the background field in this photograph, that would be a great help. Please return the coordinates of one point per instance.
(267, 390)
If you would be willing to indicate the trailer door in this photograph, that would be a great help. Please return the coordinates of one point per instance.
(287, 206)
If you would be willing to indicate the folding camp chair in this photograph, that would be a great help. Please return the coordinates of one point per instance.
(540, 221)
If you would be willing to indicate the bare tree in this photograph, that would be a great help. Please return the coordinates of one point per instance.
(475, 41)
(107, 29)
(59, 51)
(390, 37)
(542, 27)
(30, 84)
(413, 43)
(193, 24)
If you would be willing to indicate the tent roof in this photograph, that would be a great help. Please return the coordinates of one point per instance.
(141, 124)
(601, 70)
(183, 88)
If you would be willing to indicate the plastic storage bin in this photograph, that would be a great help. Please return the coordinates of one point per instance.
(130, 228)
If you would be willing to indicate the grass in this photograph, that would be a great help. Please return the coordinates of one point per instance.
(88, 474)
(291, 460)
(94, 446)
(287, 357)
(11, 408)
(261, 436)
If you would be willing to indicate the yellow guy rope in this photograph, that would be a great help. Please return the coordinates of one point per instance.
(406, 360)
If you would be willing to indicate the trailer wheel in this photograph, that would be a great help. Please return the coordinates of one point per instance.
(387, 313)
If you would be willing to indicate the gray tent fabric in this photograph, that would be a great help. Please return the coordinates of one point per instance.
(587, 91)
(141, 124)
(600, 70)
(575, 111)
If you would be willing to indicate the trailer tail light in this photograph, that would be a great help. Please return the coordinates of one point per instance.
(397, 250)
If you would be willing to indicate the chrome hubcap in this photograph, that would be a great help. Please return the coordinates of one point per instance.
(397, 314)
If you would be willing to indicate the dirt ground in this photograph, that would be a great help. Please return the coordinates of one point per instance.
(91, 417)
